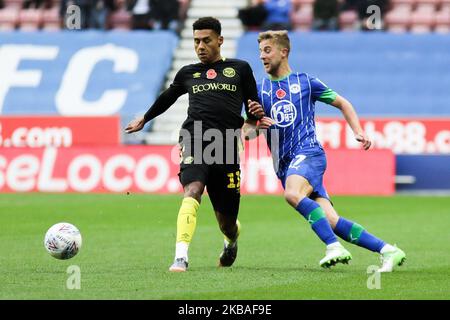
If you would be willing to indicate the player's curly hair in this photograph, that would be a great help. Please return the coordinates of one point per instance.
(207, 23)
(280, 38)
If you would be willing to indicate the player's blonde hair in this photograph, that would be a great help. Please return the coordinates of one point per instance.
(280, 38)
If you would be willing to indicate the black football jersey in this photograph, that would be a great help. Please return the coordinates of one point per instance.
(216, 91)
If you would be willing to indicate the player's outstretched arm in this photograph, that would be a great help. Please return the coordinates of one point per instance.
(161, 104)
(135, 125)
(164, 101)
(352, 119)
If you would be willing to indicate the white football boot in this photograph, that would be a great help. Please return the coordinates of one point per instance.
(392, 258)
(335, 253)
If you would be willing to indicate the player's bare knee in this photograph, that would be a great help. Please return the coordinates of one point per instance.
(293, 197)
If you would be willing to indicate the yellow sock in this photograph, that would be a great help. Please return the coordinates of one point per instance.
(228, 240)
(187, 219)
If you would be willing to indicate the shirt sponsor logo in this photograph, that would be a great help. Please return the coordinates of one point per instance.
(280, 93)
(229, 72)
(211, 74)
(295, 88)
(284, 113)
(196, 75)
(214, 86)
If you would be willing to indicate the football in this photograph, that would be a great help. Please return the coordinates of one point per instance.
(62, 240)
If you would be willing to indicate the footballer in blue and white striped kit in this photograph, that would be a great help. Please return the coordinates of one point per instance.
(288, 100)
(290, 103)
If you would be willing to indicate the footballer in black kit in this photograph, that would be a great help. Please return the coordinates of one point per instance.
(218, 89)
(217, 92)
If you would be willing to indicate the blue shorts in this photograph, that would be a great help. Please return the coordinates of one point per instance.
(310, 166)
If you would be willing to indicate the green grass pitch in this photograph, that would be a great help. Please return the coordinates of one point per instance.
(128, 245)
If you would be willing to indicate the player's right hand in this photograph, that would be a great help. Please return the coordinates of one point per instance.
(362, 137)
(135, 125)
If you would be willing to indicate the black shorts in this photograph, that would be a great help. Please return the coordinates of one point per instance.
(222, 182)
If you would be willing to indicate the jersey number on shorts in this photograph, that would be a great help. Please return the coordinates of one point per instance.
(296, 162)
(235, 180)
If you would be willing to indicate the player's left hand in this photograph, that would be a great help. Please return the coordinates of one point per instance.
(256, 109)
(361, 137)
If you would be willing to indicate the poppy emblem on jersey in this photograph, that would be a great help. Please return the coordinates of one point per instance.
(295, 88)
(280, 93)
(229, 72)
(284, 113)
(211, 74)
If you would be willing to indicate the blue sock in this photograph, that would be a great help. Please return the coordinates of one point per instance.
(354, 233)
(316, 217)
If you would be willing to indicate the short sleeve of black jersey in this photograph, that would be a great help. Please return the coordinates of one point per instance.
(249, 89)
(168, 97)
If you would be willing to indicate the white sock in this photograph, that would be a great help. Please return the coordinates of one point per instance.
(387, 247)
(336, 244)
(181, 250)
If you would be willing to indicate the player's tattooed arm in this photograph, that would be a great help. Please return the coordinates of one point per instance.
(249, 129)
(252, 128)
(352, 119)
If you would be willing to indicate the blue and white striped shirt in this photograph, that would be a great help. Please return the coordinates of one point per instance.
(291, 103)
